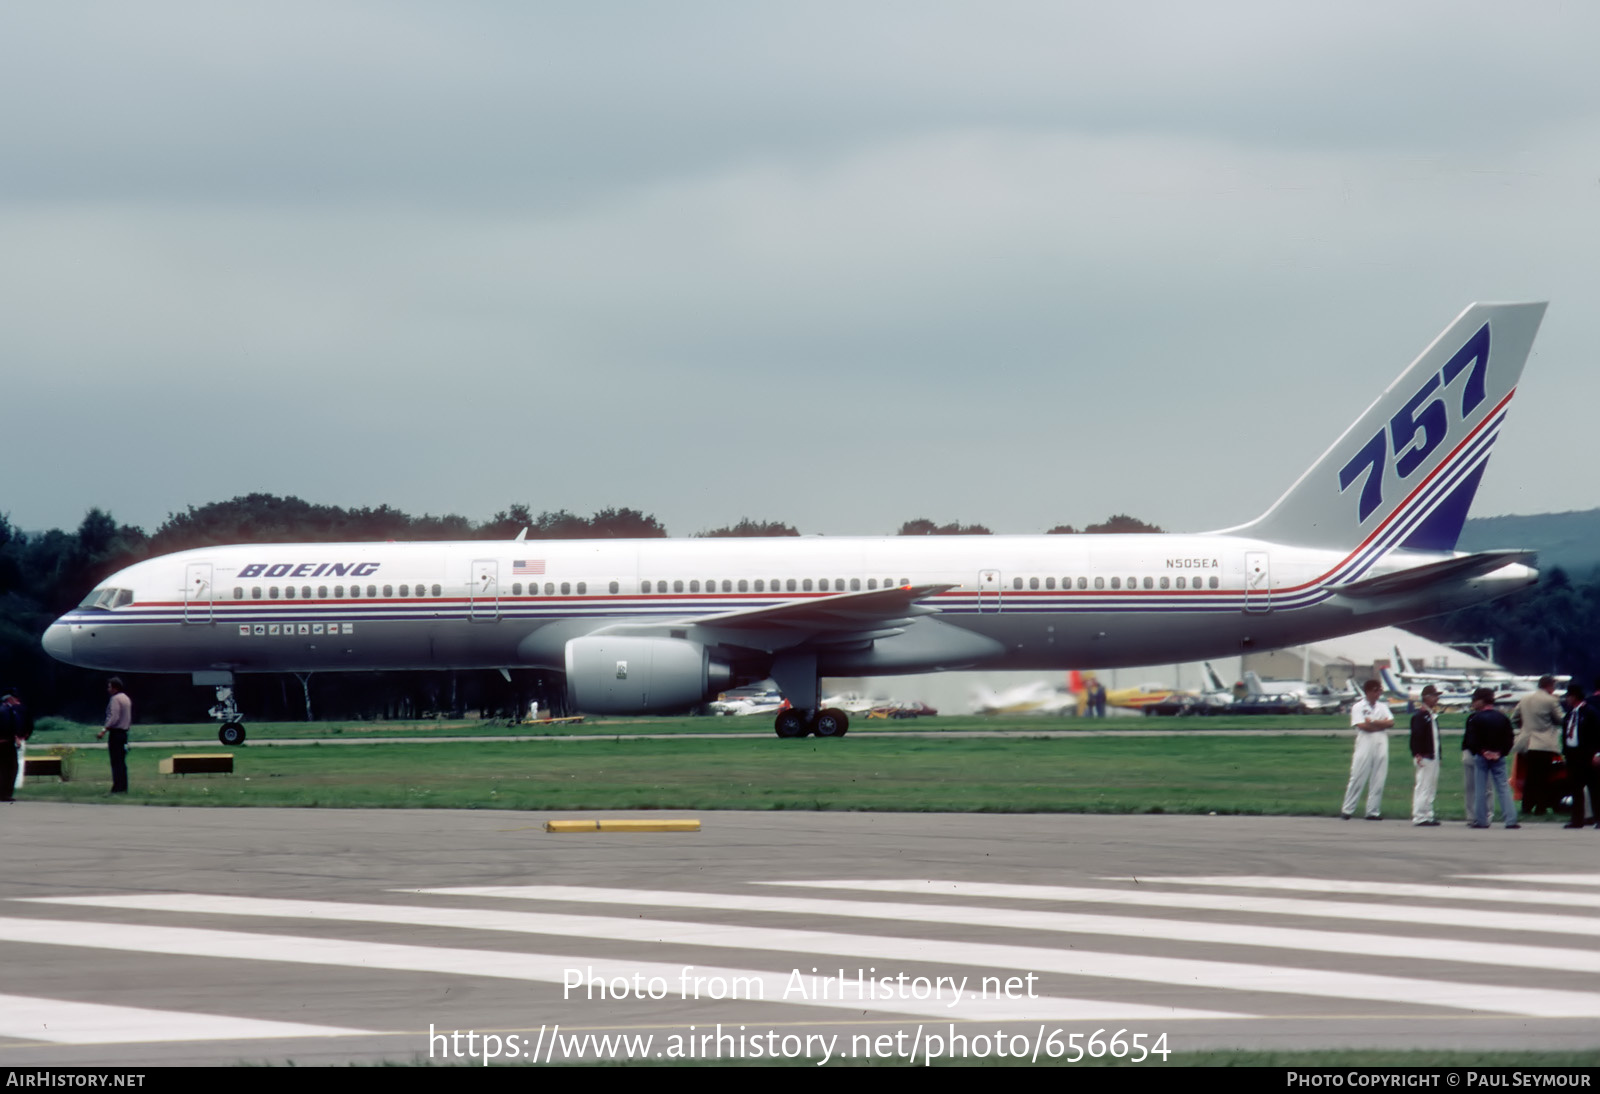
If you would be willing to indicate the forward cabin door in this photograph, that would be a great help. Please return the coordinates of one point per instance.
(198, 596)
(988, 590)
(483, 594)
(1257, 582)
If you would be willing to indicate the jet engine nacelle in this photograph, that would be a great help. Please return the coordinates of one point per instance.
(632, 675)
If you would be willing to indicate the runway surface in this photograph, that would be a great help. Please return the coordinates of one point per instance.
(137, 936)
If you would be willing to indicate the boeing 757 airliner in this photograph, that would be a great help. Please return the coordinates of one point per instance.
(1365, 538)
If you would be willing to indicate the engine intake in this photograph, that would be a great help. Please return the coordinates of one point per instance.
(633, 675)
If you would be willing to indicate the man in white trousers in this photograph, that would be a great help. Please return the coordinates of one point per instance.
(1369, 766)
(1425, 757)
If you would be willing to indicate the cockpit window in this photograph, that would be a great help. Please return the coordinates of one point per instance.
(107, 598)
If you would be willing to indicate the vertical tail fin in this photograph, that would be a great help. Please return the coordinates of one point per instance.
(1405, 473)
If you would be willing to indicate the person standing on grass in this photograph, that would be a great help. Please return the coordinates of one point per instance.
(1369, 766)
(1425, 757)
(119, 716)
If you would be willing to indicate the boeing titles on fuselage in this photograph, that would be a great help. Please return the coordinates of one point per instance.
(1365, 538)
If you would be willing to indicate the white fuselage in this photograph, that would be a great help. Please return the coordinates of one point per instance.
(1095, 601)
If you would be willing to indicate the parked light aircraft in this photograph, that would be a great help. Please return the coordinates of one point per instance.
(1035, 697)
(1364, 538)
(1138, 697)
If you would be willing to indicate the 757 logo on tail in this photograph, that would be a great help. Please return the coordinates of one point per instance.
(1420, 426)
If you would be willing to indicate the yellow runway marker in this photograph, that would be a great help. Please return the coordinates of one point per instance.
(663, 825)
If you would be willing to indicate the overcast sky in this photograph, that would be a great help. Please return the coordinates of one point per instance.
(840, 265)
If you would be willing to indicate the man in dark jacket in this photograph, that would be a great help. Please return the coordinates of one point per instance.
(1581, 747)
(14, 728)
(1489, 738)
(1425, 757)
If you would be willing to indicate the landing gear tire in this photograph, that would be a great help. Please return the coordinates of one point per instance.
(790, 723)
(832, 723)
(231, 734)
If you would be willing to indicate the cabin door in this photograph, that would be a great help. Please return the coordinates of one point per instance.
(483, 594)
(198, 595)
(988, 590)
(1257, 582)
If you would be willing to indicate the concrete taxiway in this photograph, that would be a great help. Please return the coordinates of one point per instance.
(134, 936)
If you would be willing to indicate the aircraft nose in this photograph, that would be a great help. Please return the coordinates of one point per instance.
(58, 642)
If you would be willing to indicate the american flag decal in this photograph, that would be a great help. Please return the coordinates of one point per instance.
(527, 566)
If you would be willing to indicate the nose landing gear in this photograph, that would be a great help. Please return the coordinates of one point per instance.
(226, 711)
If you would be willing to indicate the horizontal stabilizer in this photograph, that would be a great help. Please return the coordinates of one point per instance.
(1421, 577)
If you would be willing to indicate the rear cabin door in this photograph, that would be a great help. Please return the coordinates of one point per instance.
(198, 596)
(483, 593)
(1257, 582)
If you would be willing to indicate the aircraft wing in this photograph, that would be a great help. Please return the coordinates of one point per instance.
(1420, 577)
(842, 611)
(823, 620)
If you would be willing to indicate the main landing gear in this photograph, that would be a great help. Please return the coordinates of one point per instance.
(827, 722)
(227, 712)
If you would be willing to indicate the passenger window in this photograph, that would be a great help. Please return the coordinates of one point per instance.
(1213, 583)
(644, 586)
(322, 592)
(905, 581)
(405, 590)
(761, 585)
(1049, 583)
(388, 590)
(273, 593)
(855, 584)
(288, 592)
(1116, 583)
(436, 590)
(615, 587)
(1149, 583)
(1181, 583)
(872, 583)
(1033, 583)
(372, 590)
(566, 588)
(516, 588)
(583, 587)
(422, 590)
(694, 586)
(550, 588)
(238, 592)
(255, 592)
(1099, 582)
(1164, 583)
(791, 584)
(338, 592)
(822, 586)
(744, 585)
(727, 585)
(1016, 583)
(677, 586)
(805, 586)
(1083, 583)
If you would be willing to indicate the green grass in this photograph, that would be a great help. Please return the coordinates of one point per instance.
(60, 731)
(1018, 774)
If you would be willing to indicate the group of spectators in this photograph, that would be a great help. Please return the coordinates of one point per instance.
(1541, 727)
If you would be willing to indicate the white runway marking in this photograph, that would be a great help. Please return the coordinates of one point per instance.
(1541, 879)
(1523, 922)
(551, 968)
(63, 1022)
(655, 930)
(1233, 976)
(1482, 893)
